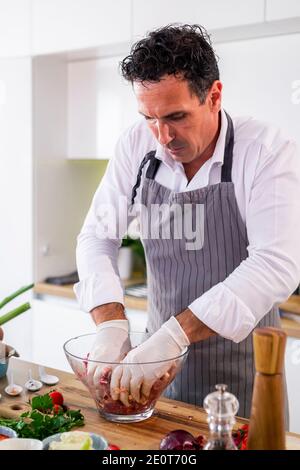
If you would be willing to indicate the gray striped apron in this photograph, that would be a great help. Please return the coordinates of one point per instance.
(177, 276)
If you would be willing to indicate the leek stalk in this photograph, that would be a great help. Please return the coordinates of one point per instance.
(15, 294)
(14, 313)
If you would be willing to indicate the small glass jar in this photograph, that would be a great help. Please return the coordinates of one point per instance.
(221, 407)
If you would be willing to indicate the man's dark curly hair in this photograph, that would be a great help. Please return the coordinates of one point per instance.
(180, 50)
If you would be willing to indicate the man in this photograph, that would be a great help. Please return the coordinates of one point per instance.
(243, 176)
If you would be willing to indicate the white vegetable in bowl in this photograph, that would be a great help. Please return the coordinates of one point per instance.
(74, 440)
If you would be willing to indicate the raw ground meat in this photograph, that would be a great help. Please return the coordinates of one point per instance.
(104, 401)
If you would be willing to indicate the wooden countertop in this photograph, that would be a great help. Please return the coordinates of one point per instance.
(169, 414)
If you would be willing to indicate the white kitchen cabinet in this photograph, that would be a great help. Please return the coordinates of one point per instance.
(100, 106)
(250, 65)
(212, 15)
(14, 28)
(278, 9)
(53, 324)
(16, 265)
(63, 25)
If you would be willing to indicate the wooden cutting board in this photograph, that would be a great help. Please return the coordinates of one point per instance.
(168, 416)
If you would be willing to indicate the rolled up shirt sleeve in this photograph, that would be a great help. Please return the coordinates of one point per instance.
(102, 232)
(271, 272)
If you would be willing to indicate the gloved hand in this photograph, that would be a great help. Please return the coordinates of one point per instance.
(111, 345)
(134, 382)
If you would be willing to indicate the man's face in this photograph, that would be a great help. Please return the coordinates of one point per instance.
(177, 118)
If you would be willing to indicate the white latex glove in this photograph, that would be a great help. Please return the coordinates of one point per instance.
(134, 382)
(111, 345)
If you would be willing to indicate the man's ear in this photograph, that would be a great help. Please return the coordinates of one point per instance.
(214, 96)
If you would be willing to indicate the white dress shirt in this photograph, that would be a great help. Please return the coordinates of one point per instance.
(266, 177)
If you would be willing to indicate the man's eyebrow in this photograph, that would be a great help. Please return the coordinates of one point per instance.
(167, 116)
(145, 116)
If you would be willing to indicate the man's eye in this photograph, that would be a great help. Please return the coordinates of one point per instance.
(177, 117)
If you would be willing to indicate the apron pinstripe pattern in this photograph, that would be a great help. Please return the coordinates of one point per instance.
(177, 276)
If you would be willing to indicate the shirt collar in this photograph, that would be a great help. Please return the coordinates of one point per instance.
(217, 157)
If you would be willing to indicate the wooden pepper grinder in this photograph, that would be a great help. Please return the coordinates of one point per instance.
(267, 420)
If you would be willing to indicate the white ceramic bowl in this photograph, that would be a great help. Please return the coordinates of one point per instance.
(15, 443)
(4, 430)
(99, 442)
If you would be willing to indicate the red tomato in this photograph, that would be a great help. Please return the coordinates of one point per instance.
(113, 447)
(56, 409)
(57, 398)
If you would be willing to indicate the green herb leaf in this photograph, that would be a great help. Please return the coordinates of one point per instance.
(42, 402)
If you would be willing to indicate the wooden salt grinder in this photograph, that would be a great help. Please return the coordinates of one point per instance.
(267, 420)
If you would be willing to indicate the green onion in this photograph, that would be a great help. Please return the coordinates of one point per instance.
(15, 294)
(14, 313)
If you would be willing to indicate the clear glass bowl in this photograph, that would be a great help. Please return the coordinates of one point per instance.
(77, 352)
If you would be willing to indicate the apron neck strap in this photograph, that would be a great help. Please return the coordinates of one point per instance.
(153, 167)
(228, 152)
(149, 156)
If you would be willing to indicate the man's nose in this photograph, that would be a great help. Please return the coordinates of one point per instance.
(164, 133)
